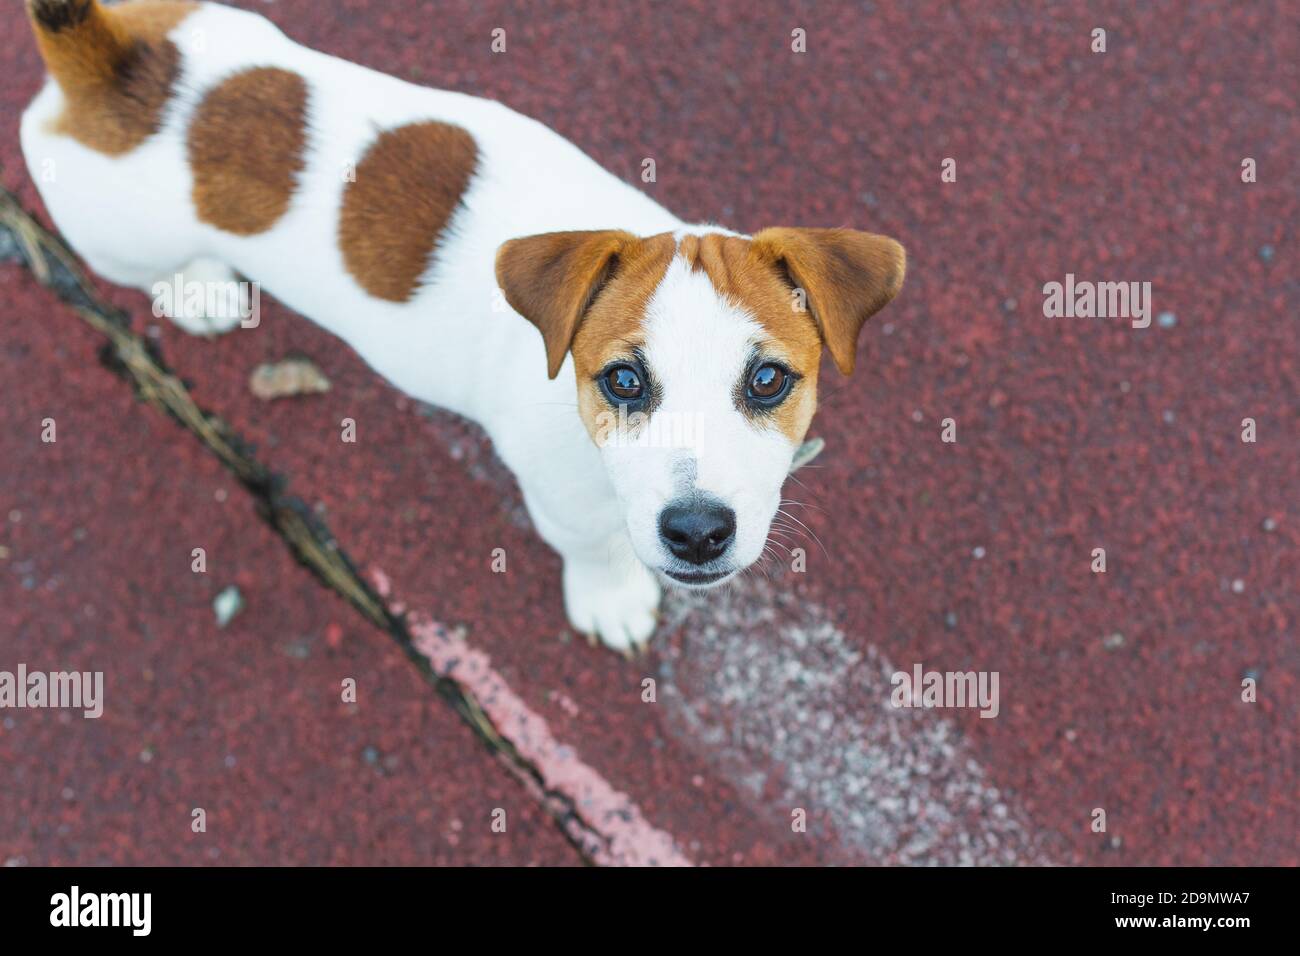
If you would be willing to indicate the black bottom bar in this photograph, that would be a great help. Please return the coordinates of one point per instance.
(337, 906)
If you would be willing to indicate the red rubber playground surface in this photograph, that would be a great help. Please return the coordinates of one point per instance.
(1120, 691)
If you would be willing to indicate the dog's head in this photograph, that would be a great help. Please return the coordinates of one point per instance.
(696, 359)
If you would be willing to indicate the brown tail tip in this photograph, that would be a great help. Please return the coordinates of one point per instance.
(81, 42)
(56, 16)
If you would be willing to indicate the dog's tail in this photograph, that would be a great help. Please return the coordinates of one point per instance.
(83, 44)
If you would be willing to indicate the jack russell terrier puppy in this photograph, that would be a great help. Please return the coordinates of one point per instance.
(426, 228)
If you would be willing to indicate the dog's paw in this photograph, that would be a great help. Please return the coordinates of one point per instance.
(617, 602)
(204, 298)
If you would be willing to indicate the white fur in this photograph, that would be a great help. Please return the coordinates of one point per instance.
(455, 343)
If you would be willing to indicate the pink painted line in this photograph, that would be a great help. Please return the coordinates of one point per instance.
(612, 830)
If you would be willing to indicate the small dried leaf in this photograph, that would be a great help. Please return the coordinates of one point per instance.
(291, 376)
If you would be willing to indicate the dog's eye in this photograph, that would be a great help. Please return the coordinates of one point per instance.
(624, 383)
(768, 384)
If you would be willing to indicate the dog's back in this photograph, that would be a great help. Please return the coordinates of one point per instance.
(197, 140)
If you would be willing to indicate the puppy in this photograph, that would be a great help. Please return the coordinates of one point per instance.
(652, 422)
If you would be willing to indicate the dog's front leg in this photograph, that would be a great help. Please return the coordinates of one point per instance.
(608, 592)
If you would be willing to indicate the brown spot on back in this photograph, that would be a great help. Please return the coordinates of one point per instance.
(407, 188)
(245, 147)
(115, 67)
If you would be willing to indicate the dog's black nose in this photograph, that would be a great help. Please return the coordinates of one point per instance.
(697, 533)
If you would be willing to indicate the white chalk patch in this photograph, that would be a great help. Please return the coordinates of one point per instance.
(767, 690)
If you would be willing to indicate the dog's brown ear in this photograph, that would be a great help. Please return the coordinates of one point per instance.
(846, 276)
(552, 279)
